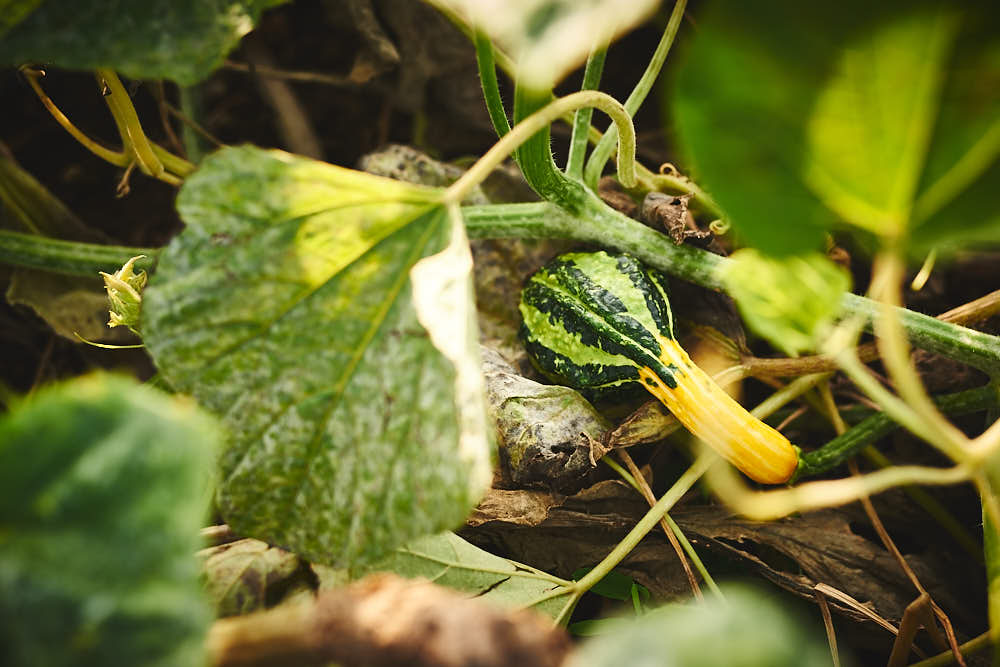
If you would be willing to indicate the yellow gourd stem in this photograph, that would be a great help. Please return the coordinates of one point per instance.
(713, 416)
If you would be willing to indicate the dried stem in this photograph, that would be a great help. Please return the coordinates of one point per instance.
(643, 487)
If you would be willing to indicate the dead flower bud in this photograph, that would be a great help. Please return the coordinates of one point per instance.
(125, 294)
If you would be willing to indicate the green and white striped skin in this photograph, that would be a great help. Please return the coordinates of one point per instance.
(600, 322)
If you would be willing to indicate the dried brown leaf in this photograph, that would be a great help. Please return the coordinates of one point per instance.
(560, 534)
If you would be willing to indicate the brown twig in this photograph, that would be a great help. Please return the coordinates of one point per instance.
(801, 410)
(293, 122)
(290, 75)
(647, 493)
(891, 547)
(43, 364)
(831, 634)
(974, 311)
(190, 122)
(848, 601)
(164, 108)
(917, 614)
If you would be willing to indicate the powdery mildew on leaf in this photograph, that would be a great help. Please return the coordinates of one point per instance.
(286, 307)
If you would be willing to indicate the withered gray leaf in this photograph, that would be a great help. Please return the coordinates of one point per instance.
(548, 435)
(243, 576)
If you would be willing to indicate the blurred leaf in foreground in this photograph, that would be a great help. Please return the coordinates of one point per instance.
(13, 12)
(103, 487)
(747, 629)
(880, 115)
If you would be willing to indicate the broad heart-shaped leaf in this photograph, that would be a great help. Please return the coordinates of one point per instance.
(747, 629)
(103, 487)
(549, 38)
(183, 40)
(873, 114)
(327, 316)
(448, 560)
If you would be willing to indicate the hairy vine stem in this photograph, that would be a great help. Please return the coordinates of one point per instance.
(540, 120)
(601, 153)
(581, 121)
(594, 223)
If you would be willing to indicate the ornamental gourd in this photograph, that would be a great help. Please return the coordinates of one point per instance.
(597, 322)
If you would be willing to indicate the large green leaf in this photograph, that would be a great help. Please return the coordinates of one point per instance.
(327, 316)
(103, 486)
(549, 38)
(870, 125)
(799, 120)
(183, 40)
(448, 560)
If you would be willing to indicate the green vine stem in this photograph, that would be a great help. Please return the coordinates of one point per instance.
(601, 153)
(581, 121)
(946, 658)
(877, 426)
(134, 139)
(991, 553)
(69, 257)
(595, 223)
(137, 150)
(160, 162)
(32, 76)
(898, 409)
(887, 281)
(486, 62)
(527, 129)
(774, 504)
(534, 156)
(670, 524)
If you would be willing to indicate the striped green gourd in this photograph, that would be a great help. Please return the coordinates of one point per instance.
(598, 322)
